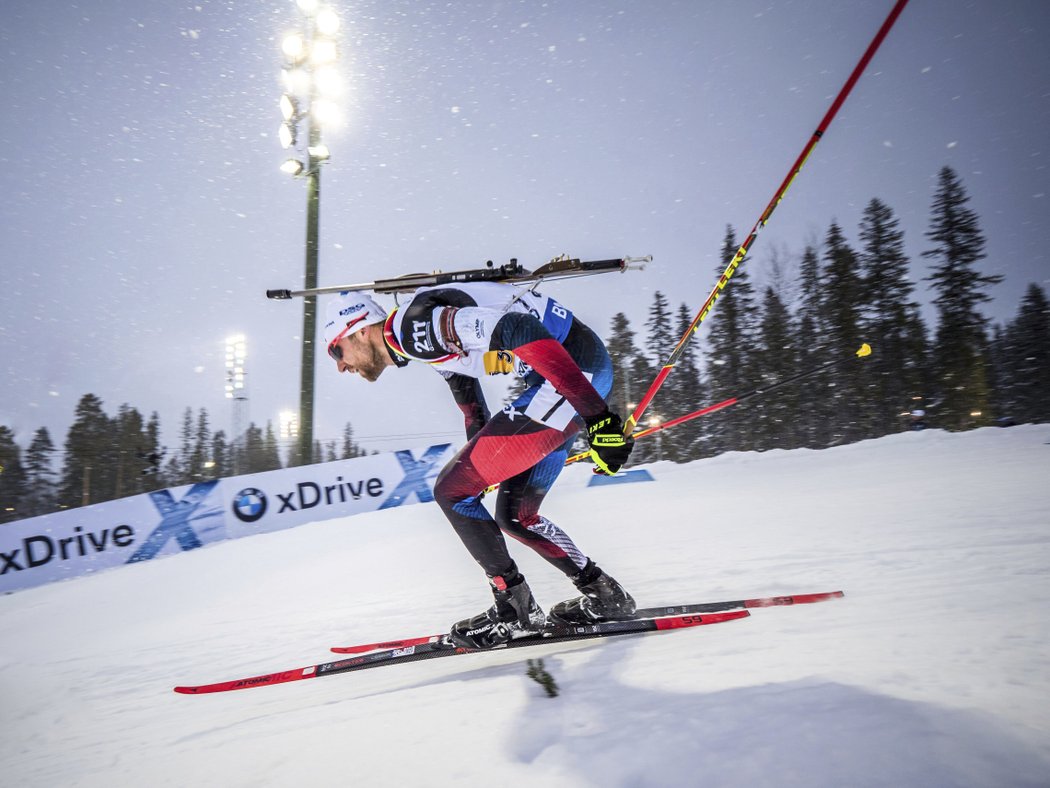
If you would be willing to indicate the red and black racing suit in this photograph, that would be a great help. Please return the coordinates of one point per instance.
(524, 446)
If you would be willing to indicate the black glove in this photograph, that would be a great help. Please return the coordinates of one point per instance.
(609, 448)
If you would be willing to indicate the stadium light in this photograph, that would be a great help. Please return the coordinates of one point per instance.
(237, 392)
(311, 81)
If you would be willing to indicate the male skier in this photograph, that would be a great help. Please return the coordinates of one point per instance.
(473, 329)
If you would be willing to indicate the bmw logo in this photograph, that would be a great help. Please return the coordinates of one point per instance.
(249, 505)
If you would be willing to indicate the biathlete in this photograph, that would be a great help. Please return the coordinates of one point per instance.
(467, 331)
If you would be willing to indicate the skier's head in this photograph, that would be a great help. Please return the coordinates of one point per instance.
(346, 316)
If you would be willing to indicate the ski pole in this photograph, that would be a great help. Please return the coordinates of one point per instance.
(863, 352)
(738, 258)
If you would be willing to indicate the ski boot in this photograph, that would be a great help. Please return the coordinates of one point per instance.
(514, 615)
(603, 600)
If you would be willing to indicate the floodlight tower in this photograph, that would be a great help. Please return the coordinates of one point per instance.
(237, 392)
(310, 82)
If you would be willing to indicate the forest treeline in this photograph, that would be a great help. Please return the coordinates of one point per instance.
(964, 372)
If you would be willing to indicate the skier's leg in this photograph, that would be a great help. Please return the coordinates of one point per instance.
(518, 503)
(517, 513)
(505, 447)
(508, 445)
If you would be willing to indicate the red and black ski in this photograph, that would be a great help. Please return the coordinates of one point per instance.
(434, 650)
(649, 612)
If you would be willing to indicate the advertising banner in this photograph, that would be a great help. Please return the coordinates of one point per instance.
(164, 522)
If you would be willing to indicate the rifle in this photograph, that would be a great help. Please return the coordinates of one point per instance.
(563, 267)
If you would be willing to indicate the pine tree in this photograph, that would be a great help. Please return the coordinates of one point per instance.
(888, 320)
(960, 342)
(40, 476)
(85, 475)
(1025, 360)
(813, 419)
(197, 466)
(13, 490)
(686, 394)
(262, 452)
(729, 341)
(631, 374)
(659, 341)
(221, 457)
(626, 389)
(774, 418)
(658, 344)
(843, 299)
(272, 451)
(128, 428)
(179, 468)
(350, 448)
(151, 456)
(254, 460)
(917, 350)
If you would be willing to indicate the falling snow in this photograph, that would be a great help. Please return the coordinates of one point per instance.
(144, 182)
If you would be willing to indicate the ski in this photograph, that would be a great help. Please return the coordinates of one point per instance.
(442, 648)
(648, 612)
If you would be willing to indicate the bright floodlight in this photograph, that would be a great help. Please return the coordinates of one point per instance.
(236, 346)
(327, 21)
(292, 46)
(236, 352)
(288, 424)
(292, 166)
(325, 112)
(296, 80)
(319, 151)
(286, 135)
(288, 108)
(308, 7)
(328, 81)
(323, 51)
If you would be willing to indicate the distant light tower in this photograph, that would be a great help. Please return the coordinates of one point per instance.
(237, 391)
(310, 81)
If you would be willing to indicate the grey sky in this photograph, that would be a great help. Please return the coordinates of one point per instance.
(144, 214)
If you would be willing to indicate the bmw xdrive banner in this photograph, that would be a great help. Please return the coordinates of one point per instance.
(166, 522)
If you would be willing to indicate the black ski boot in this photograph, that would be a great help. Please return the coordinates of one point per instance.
(514, 615)
(603, 600)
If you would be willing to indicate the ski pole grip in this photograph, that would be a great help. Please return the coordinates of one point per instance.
(279, 295)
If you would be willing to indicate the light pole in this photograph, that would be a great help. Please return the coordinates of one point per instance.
(310, 81)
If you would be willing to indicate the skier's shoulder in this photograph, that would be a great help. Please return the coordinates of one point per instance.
(413, 328)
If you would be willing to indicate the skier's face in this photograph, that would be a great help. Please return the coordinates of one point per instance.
(359, 354)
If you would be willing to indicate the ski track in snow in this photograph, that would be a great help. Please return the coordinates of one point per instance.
(934, 670)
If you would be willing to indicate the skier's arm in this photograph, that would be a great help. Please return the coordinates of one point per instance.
(475, 329)
(529, 340)
(470, 399)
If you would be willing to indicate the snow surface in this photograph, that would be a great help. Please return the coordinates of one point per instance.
(933, 671)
